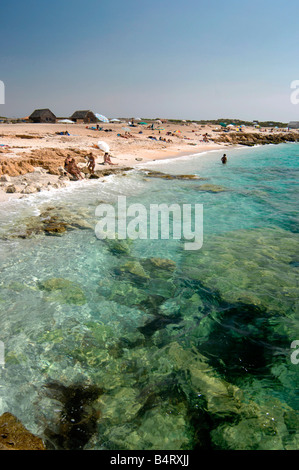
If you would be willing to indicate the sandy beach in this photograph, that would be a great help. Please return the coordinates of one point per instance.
(32, 155)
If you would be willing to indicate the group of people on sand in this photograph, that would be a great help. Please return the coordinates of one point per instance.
(72, 168)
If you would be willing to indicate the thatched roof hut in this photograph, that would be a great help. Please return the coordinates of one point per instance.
(83, 116)
(43, 115)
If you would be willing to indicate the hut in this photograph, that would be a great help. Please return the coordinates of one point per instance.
(83, 116)
(42, 115)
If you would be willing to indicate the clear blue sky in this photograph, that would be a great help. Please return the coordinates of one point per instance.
(190, 59)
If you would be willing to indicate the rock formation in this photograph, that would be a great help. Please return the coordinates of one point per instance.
(14, 436)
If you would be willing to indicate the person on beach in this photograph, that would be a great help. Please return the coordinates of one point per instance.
(91, 163)
(224, 159)
(67, 162)
(107, 159)
(74, 170)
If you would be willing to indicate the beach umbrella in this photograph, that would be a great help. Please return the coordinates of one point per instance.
(115, 120)
(102, 118)
(66, 121)
(126, 129)
(103, 146)
(143, 123)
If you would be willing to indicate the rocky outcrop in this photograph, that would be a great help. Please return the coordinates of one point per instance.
(14, 436)
(250, 139)
(49, 159)
(166, 176)
(63, 291)
(52, 221)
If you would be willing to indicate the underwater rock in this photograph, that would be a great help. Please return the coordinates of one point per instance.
(159, 267)
(120, 406)
(170, 308)
(165, 427)
(51, 221)
(211, 188)
(103, 334)
(119, 247)
(112, 171)
(54, 227)
(261, 427)
(63, 290)
(52, 336)
(14, 436)
(242, 267)
(122, 292)
(132, 269)
(246, 435)
(161, 287)
(244, 424)
(222, 398)
(159, 174)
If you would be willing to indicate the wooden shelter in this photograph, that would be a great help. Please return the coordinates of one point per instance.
(43, 115)
(83, 116)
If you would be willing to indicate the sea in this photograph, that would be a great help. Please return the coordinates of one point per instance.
(139, 343)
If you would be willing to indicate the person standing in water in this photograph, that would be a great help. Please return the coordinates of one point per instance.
(224, 159)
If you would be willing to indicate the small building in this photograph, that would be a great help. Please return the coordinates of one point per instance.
(43, 116)
(293, 125)
(83, 117)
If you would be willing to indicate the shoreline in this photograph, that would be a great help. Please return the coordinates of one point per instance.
(25, 149)
(54, 183)
(32, 155)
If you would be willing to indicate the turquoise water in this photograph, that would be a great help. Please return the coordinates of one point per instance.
(141, 344)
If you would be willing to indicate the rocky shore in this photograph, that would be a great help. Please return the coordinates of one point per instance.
(44, 178)
(250, 139)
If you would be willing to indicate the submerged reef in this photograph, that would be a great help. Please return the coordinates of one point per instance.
(63, 291)
(51, 221)
(176, 355)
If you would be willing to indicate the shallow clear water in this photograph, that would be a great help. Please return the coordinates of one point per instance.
(145, 345)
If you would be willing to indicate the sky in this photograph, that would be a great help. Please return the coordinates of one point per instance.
(171, 59)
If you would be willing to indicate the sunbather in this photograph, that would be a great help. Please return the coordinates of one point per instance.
(107, 159)
(73, 169)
